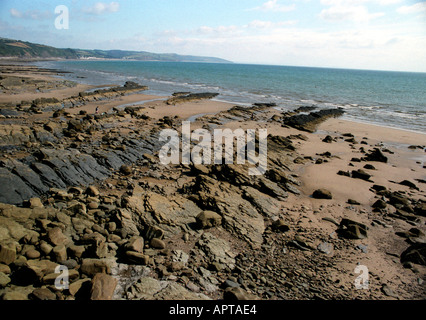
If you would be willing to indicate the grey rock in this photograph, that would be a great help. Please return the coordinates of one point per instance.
(325, 247)
(265, 204)
(388, 291)
(13, 190)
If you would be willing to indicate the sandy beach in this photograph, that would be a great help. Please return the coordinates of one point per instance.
(306, 258)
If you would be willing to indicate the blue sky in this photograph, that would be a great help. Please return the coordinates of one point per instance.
(360, 34)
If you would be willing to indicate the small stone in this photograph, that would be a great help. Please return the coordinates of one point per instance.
(237, 293)
(103, 287)
(136, 243)
(378, 188)
(409, 184)
(4, 268)
(43, 294)
(7, 254)
(327, 139)
(280, 225)
(157, 243)
(388, 291)
(76, 251)
(60, 253)
(125, 169)
(76, 286)
(322, 194)
(230, 284)
(416, 253)
(17, 294)
(112, 226)
(376, 155)
(93, 205)
(70, 263)
(379, 204)
(363, 248)
(325, 247)
(352, 229)
(56, 237)
(208, 219)
(344, 173)
(138, 257)
(46, 248)
(92, 191)
(4, 280)
(34, 203)
(51, 277)
(32, 254)
(369, 167)
(353, 202)
(360, 174)
(91, 267)
(193, 287)
(185, 237)
(77, 207)
(75, 190)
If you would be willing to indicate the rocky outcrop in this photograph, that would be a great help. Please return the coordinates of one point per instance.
(49, 167)
(309, 122)
(181, 98)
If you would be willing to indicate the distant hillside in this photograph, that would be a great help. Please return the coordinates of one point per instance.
(28, 50)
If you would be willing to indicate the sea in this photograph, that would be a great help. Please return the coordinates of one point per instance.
(385, 98)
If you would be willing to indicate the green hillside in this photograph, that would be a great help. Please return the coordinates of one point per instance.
(28, 50)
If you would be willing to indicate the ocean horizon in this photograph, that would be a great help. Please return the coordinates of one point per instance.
(395, 99)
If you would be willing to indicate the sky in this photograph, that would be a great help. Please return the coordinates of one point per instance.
(355, 34)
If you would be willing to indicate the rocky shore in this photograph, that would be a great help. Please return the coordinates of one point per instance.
(85, 191)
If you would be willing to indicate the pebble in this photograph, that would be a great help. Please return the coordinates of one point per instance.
(157, 243)
(32, 254)
(388, 291)
(363, 248)
(230, 284)
(325, 247)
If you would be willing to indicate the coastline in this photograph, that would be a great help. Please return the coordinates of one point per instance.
(361, 103)
(194, 231)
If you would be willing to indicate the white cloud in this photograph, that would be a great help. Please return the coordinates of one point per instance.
(102, 7)
(419, 7)
(358, 2)
(30, 14)
(273, 5)
(388, 2)
(16, 13)
(259, 24)
(367, 48)
(349, 13)
(218, 31)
